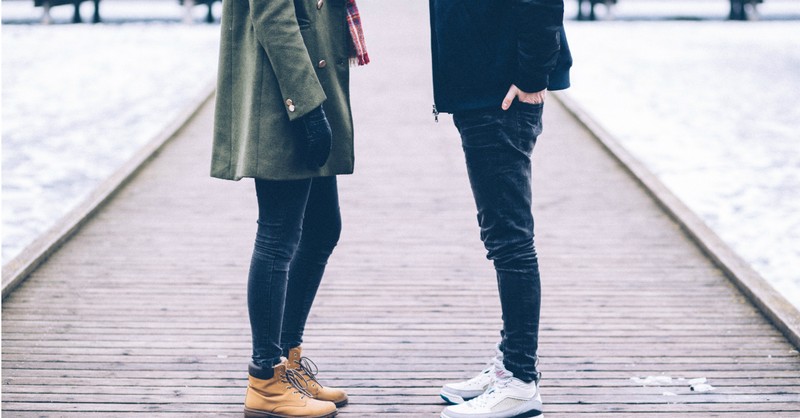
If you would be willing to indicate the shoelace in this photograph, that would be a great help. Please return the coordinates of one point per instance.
(497, 365)
(297, 381)
(487, 370)
(483, 400)
(492, 365)
(309, 368)
(500, 379)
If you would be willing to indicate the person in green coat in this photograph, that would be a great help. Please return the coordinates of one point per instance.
(283, 118)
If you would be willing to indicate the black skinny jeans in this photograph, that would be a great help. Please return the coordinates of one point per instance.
(497, 146)
(298, 226)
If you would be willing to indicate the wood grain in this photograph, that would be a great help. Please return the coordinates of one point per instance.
(143, 314)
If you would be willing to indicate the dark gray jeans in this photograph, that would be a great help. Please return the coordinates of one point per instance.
(498, 146)
(298, 227)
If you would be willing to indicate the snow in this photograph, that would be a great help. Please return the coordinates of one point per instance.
(684, 10)
(699, 384)
(703, 387)
(652, 380)
(712, 108)
(111, 11)
(79, 100)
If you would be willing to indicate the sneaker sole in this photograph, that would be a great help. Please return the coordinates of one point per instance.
(252, 413)
(452, 399)
(529, 414)
(525, 415)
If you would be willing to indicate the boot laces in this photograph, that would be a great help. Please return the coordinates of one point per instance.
(310, 368)
(296, 380)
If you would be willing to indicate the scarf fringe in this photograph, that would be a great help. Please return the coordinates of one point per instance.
(358, 50)
(359, 60)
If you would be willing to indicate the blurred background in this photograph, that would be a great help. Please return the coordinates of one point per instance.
(712, 107)
(705, 92)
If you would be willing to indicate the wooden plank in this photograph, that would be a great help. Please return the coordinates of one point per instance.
(553, 401)
(347, 413)
(784, 315)
(143, 312)
(235, 389)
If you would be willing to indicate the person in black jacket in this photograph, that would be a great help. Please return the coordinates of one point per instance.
(493, 62)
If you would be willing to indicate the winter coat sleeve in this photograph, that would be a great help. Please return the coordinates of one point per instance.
(537, 24)
(278, 32)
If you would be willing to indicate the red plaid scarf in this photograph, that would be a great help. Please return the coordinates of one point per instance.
(358, 49)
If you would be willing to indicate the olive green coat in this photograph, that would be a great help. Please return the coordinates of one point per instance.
(279, 59)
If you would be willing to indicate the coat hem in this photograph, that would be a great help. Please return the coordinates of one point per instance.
(280, 178)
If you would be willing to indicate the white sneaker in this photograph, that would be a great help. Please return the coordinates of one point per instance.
(460, 392)
(508, 397)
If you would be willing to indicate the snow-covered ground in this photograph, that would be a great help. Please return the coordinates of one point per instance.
(79, 100)
(713, 109)
(639, 10)
(710, 106)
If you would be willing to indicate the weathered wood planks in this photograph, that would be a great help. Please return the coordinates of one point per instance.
(143, 313)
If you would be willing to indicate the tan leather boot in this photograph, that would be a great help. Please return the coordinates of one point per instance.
(309, 372)
(283, 396)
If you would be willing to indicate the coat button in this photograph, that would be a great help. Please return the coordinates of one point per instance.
(290, 105)
(320, 3)
(322, 64)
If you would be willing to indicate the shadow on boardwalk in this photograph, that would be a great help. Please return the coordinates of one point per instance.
(143, 312)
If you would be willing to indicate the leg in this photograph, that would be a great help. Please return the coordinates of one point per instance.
(76, 17)
(96, 17)
(280, 215)
(322, 225)
(497, 146)
(737, 10)
(46, 17)
(210, 14)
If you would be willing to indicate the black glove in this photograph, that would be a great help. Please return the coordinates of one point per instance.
(315, 132)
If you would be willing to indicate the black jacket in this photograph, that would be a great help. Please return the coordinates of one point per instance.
(481, 47)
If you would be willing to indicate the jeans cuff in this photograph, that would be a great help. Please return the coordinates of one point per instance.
(285, 347)
(521, 373)
(261, 371)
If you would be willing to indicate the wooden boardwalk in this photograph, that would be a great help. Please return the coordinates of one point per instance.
(143, 312)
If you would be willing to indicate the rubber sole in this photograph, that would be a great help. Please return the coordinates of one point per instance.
(452, 399)
(525, 415)
(341, 403)
(529, 414)
(252, 413)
